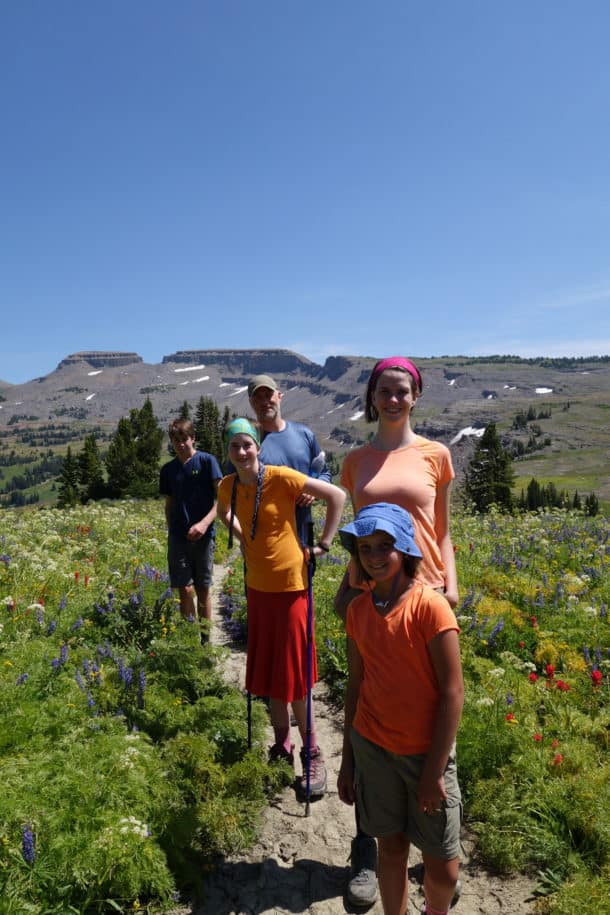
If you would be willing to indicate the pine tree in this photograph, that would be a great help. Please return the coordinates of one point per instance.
(489, 477)
(120, 460)
(591, 505)
(576, 503)
(68, 482)
(90, 470)
(147, 438)
(534, 497)
(185, 410)
(208, 427)
(132, 462)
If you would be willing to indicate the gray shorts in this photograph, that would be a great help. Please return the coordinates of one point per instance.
(386, 789)
(190, 562)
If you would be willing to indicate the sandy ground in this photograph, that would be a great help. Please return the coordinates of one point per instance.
(300, 864)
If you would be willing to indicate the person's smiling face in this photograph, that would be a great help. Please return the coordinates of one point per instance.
(379, 557)
(394, 397)
(243, 452)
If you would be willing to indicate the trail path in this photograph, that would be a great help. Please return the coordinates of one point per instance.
(300, 865)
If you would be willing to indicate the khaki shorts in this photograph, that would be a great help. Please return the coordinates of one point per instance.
(386, 789)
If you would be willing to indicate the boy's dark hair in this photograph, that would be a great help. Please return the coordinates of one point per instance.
(181, 427)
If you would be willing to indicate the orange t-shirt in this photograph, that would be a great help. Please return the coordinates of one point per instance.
(399, 691)
(274, 559)
(409, 477)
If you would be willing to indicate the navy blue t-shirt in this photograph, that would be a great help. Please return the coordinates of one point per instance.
(191, 487)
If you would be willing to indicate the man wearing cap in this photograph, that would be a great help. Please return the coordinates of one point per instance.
(286, 443)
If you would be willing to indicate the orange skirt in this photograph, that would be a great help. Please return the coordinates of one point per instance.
(277, 645)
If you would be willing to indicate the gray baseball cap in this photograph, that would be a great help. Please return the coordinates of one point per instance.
(261, 381)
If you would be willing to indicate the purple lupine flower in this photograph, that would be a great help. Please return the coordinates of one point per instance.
(51, 627)
(509, 699)
(141, 687)
(77, 624)
(5, 559)
(79, 681)
(22, 678)
(63, 654)
(63, 602)
(39, 616)
(586, 654)
(28, 845)
(90, 701)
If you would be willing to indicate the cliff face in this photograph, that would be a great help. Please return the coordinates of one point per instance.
(248, 361)
(100, 359)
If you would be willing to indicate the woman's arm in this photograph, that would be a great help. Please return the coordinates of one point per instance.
(444, 652)
(345, 779)
(443, 538)
(344, 596)
(334, 498)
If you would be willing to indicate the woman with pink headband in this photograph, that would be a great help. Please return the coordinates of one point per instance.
(400, 467)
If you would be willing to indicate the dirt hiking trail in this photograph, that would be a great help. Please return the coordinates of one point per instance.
(300, 866)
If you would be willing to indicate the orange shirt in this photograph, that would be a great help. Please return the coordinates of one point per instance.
(274, 559)
(409, 477)
(399, 691)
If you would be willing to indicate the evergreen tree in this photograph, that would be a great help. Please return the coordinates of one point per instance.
(591, 505)
(534, 496)
(208, 427)
(185, 410)
(132, 462)
(576, 503)
(147, 439)
(68, 482)
(90, 470)
(120, 460)
(489, 477)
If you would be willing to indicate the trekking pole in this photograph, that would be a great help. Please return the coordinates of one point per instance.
(311, 568)
(248, 693)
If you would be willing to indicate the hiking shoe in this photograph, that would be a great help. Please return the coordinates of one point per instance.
(317, 773)
(362, 886)
(279, 753)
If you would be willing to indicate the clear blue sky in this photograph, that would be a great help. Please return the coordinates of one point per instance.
(335, 176)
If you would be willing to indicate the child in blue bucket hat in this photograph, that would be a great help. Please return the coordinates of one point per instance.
(403, 704)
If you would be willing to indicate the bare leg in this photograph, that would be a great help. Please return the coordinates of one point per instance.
(392, 873)
(188, 603)
(280, 722)
(299, 707)
(204, 603)
(440, 878)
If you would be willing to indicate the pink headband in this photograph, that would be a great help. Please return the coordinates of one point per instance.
(397, 362)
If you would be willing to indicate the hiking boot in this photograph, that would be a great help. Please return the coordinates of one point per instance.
(279, 753)
(362, 887)
(317, 773)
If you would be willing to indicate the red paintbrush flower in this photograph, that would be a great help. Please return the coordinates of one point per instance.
(550, 671)
(532, 677)
(596, 677)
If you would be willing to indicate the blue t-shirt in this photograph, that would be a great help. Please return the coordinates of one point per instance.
(295, 446)
(191, 487)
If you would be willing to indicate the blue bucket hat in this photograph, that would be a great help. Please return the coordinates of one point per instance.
(382, 516)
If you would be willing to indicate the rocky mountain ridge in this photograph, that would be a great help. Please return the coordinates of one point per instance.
(461, 394)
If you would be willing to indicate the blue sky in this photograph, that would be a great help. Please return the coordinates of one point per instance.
(335, 176)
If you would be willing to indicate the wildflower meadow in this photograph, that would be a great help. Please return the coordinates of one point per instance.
(124, 761)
